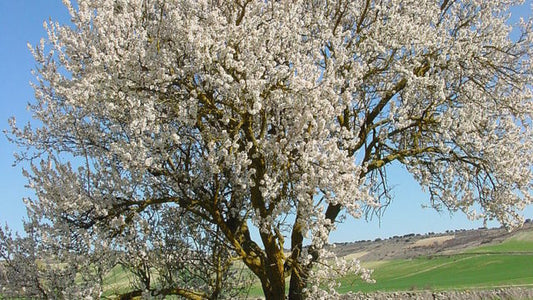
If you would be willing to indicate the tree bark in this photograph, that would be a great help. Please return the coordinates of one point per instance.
(274, 285)
(297, 281)
(297, 284)
(273, 291)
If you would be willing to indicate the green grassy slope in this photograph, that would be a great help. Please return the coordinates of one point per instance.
(504, 264)
(117, 281)
(508, 263)
(458, 272)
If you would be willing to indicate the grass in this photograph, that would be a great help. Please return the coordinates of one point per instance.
(490, 266)
(445, 273)
(117, 281)
(508, 263)
(505, 264)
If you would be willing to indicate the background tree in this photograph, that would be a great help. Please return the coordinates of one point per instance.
(279, 115)
(173, 253)
(166, 253)
(39, 266)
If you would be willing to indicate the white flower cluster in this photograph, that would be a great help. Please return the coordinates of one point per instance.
(323, 283)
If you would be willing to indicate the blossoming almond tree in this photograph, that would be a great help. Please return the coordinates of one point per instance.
(279, 115)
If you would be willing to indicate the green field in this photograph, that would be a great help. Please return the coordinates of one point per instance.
(444, 273)
(507, 264)
(117, 281)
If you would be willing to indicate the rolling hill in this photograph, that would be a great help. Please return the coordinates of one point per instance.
(455, 260)
(480, 259)
(459, 260)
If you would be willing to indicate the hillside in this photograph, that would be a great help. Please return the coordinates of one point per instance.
(454, 260)
(464, 264)
(416, 245)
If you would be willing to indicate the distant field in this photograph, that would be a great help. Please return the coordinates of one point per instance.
(507, 264)
(117, 281)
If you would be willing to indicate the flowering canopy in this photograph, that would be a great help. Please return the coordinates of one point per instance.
(282, 115)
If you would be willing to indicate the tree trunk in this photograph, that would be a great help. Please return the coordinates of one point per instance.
(273, 274)
(297, 283)
(296, 286)
(274, 284)
(274, 291)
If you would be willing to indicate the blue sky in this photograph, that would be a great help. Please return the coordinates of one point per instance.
(21, 22)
